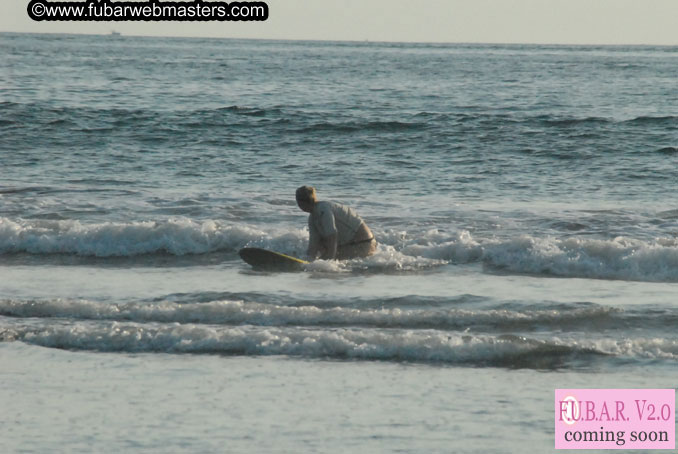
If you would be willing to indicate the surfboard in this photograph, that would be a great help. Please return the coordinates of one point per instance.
(264, 259)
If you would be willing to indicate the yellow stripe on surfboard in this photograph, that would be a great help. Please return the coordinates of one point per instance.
(265, 259)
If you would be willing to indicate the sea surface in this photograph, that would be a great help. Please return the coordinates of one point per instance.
(523, 198)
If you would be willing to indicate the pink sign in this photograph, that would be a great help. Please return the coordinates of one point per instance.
(615, 419)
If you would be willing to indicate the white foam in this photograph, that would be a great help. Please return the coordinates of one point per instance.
(620, 258)
(617, 258)
(449, 335)
(641, 347)
(422, 345)
(178, 236)
(240, 312)
(342, 343)
(459, 248)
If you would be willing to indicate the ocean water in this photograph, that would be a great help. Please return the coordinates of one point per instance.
(523, 198)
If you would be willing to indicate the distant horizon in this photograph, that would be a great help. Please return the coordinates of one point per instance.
(355, 41)
(539, 22)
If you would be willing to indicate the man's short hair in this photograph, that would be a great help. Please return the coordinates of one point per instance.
(306, 194)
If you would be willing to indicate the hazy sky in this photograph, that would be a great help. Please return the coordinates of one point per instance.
(495, 21)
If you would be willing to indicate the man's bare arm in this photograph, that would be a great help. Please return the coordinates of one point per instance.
(330, 247)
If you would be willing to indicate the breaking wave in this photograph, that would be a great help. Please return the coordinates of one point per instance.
(617, 258)
(237, 312)
(424, 346)
(179, 236)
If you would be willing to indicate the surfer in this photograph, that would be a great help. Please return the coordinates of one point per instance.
(335, 231)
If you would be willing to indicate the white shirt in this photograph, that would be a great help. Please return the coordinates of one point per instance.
(328, 218)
